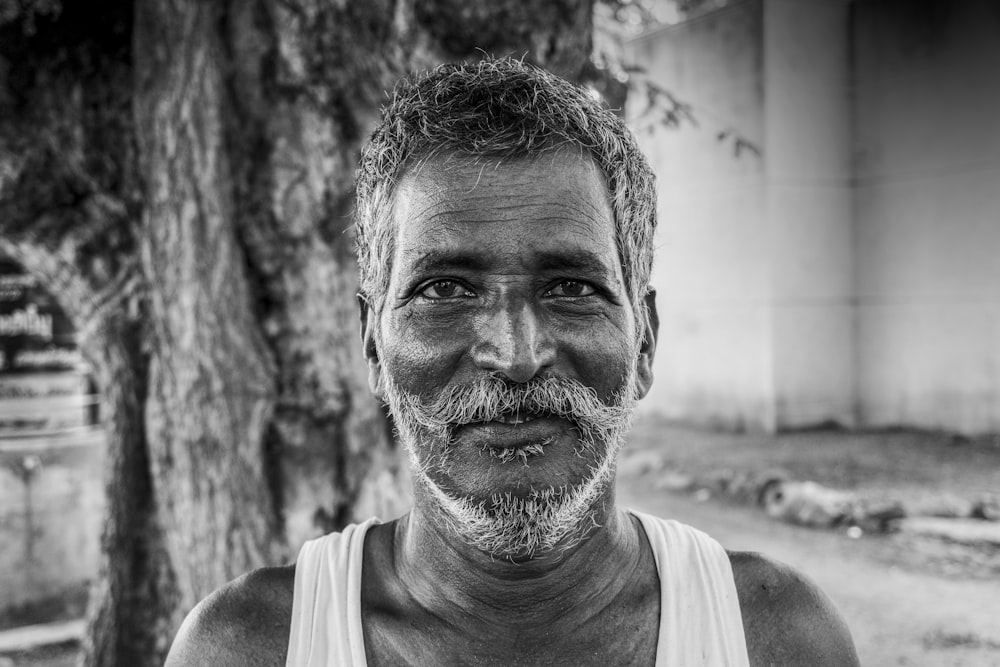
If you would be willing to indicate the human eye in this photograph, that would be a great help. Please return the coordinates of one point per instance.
(571, 289)
(445, 289)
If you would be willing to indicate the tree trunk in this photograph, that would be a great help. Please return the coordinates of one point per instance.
(134, 608)
(187, 169)
(212, 390)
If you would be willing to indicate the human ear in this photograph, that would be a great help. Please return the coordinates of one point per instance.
(368, 346)
(650, 323)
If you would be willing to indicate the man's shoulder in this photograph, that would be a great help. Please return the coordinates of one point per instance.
(787, 619)
(245, 622)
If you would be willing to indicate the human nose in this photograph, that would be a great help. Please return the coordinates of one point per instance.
(514, 341)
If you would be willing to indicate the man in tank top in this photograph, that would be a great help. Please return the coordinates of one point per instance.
(505, 238)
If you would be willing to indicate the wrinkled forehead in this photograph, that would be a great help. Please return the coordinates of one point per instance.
(445, 164)
(434, 177)
(523, 215)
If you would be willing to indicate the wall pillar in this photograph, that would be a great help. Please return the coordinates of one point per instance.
(808, 209)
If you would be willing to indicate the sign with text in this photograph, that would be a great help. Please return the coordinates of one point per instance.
(35, 334)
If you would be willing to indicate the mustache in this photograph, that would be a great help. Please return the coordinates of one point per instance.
(491, 397)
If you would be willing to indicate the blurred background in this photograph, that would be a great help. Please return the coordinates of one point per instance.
(181, 391)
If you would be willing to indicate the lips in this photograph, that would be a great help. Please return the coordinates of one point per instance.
(514, 418)
(513, 430)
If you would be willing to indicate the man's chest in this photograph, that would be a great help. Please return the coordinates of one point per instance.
(622, 635)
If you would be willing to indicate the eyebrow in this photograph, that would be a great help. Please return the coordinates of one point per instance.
(438, 260)
(583, 261)
(578, 260)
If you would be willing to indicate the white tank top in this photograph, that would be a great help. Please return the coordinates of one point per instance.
(700, 620)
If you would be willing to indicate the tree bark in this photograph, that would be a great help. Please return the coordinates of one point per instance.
(185, 176)
(134, 608)
(212, 389)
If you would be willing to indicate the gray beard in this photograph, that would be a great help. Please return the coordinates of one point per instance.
(543, 521)
(523, 527)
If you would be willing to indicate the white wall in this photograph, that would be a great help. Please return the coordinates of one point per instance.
(754, 269)
(711, 273)
(927, 207)
(851, 273)
(807, 157)
(51, 489)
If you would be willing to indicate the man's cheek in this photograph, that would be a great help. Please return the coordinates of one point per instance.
(605, 370)
(421, 361)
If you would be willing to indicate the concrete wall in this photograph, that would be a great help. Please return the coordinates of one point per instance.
(927, 207)
(851, 273)
(51, 492)
(807, 158)
(712, 272)
(754, 266)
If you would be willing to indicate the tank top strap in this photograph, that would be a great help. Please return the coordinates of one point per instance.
(700, 619)
(326, 607)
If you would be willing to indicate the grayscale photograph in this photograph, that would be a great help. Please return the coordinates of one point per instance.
(500, 333)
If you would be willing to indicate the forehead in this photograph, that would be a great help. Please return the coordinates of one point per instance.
(512, 210)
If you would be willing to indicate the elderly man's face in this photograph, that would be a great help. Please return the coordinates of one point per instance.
(507, 348)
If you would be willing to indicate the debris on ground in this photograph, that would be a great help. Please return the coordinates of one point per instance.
(987, 507)
(674, 481)
(809, 503)
(641, 463)
(942, 505)
(963, 531)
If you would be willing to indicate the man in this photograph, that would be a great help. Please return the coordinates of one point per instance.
(505, 227)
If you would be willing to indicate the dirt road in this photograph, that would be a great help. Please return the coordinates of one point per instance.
(900, 613)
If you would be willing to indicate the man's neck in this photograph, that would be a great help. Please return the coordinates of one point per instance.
(457, 581)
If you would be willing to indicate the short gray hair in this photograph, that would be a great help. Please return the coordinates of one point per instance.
(499, 108)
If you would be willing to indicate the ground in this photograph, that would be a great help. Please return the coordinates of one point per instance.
(909, 600)
(58, 655)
